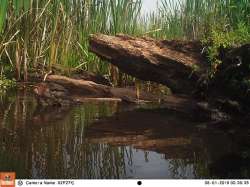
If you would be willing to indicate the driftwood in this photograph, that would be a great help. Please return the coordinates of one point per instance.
(60, 90)
(178, 65)
(82, 86)
(42, 72)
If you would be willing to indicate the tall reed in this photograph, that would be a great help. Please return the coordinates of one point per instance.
(191, 19)
(55, 32)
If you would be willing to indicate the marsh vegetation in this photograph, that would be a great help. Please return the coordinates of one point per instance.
(114, 139)
(46, 33)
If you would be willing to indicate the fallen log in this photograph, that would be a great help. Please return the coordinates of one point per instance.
(64, 91)
(82, 86)
(61, 90)
(41, 72)
(179, 65)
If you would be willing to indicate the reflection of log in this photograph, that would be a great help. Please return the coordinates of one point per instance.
(46, 115)
(174, 133)
(159, 130)
(175, 64)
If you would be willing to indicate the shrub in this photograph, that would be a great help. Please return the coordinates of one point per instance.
(221, 39)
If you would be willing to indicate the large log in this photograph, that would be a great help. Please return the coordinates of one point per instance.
(60, 90)
(176, 64)
(85, 87)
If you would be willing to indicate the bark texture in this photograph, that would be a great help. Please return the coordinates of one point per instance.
(61, 90)
(176, 64)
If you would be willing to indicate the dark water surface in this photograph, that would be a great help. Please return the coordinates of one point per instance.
(107, 140)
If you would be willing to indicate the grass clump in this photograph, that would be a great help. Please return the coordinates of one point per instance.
(6, 84)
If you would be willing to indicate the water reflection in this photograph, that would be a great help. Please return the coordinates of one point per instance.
(89, 141)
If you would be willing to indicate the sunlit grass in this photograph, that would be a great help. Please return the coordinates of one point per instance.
(192, 19)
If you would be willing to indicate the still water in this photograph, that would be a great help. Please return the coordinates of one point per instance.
(114, 141)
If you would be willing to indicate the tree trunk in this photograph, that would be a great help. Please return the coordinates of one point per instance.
(176, 64)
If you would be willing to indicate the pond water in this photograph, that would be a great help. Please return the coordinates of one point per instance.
(114, 141)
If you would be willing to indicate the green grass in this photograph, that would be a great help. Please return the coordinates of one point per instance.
(6, 83)
(193, 19)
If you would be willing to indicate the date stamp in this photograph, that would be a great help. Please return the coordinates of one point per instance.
(227, 182)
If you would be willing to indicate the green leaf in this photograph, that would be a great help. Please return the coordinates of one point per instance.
(18, 5)
(26, 5)
(3, 11)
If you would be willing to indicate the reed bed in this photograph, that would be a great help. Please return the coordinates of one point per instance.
(55, 32)
(193, 19)
(35, 33)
